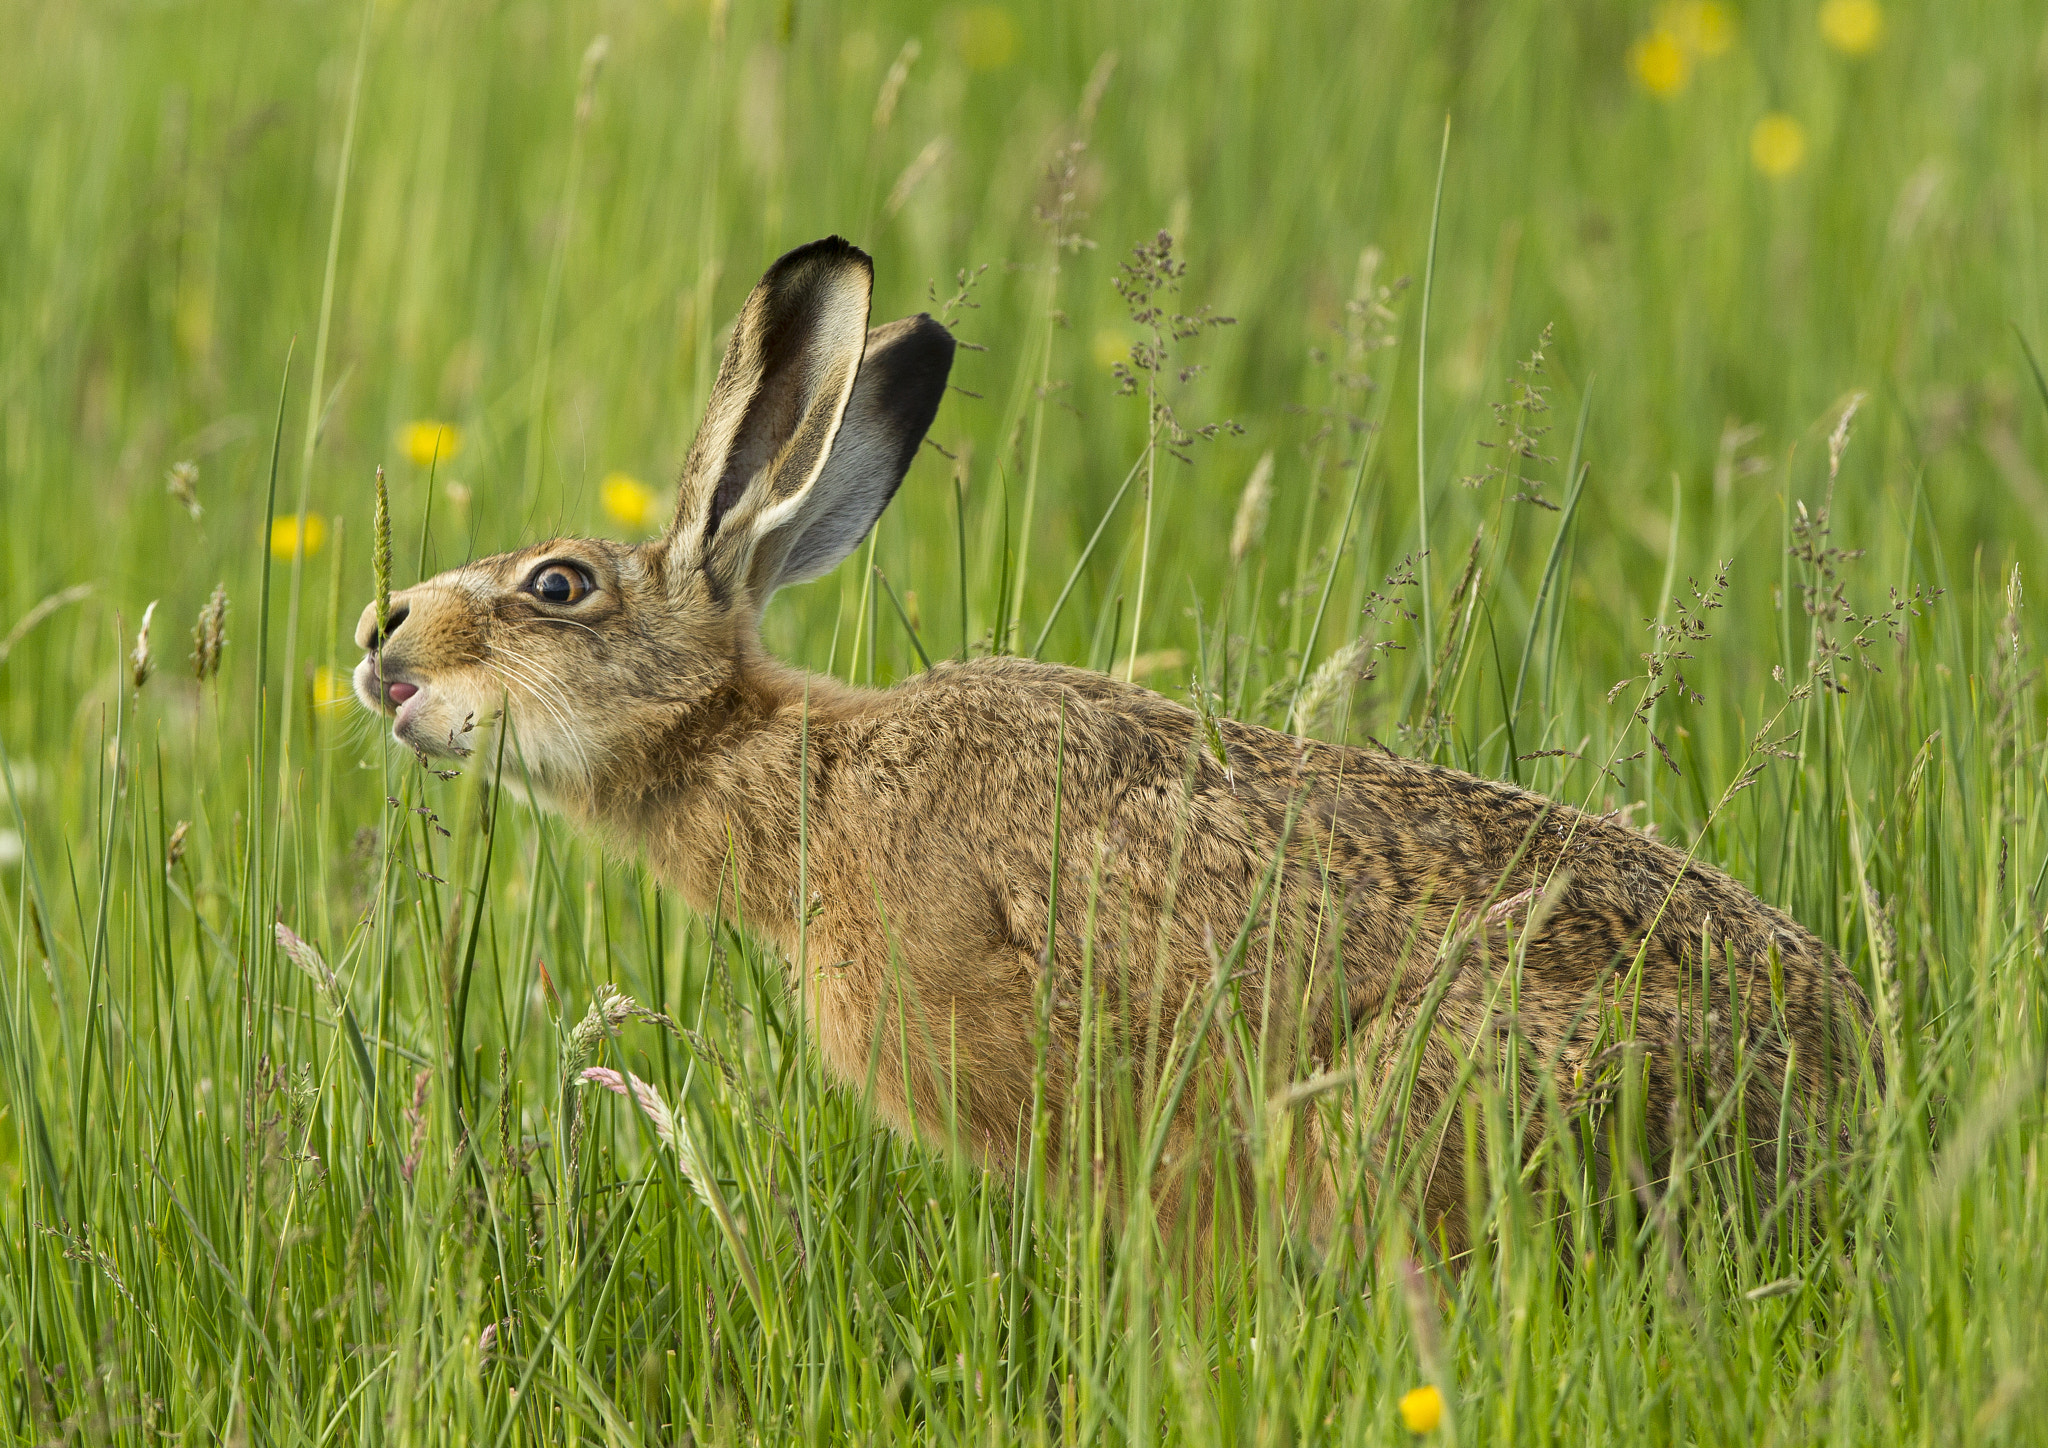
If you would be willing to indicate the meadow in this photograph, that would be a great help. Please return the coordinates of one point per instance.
(1635, 401)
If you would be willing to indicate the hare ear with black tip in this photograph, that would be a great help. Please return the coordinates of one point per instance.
(902, 380)
(811, 426)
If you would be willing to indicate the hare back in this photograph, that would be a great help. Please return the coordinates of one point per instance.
(1367, 885)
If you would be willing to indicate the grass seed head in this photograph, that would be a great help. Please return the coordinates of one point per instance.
(1518, 421)
(1838, 440)
(618, 1083)
(487, 1340)
(306, 956)
(586, 84)
(893, 83)
(182, 483)
(672, 1133)
(609, 1009)
(416, 1117)
(1153, 274)
(382, 556)
(1332, 680)
(210, 634)
(1253, 507)
(141, 663)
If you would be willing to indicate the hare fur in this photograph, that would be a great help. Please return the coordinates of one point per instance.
(1369, 915)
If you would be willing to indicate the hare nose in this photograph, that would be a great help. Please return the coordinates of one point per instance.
(368, 636)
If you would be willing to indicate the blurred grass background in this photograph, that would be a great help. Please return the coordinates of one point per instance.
(530, 224)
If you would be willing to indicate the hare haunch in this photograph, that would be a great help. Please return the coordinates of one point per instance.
(1372, 915)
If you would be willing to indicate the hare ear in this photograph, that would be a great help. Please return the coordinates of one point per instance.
(902, 379)
(781, 392)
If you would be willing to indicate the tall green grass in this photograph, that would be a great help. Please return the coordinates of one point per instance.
(244, 1199)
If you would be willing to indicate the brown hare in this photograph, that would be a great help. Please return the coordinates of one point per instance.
(1383, 925)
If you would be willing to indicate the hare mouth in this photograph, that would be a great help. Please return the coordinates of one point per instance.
(410, 700)
(407, 701)
(383, 689)
(396, 693)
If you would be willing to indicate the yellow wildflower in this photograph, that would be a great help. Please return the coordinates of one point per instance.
(1662, 65)
(1777, 145)
(1422, 1408)
(428, 441)
(987, 36)
(1854, 27)
(288, 542)
(1703, 27)
(331, 687)
(628, 501)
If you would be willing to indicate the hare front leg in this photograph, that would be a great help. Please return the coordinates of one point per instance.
(945, 1049)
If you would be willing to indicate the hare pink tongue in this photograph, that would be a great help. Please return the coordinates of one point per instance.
(406, 701)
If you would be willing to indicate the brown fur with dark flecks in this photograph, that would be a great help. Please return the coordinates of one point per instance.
(1372, 913)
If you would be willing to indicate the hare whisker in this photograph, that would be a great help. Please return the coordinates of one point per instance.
(527, 623)
(524, 677)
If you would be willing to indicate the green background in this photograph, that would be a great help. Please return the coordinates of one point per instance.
(218, 1214)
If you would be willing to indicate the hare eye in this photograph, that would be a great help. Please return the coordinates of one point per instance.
(559, 583)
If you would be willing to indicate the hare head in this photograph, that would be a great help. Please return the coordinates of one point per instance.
(596, 649)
